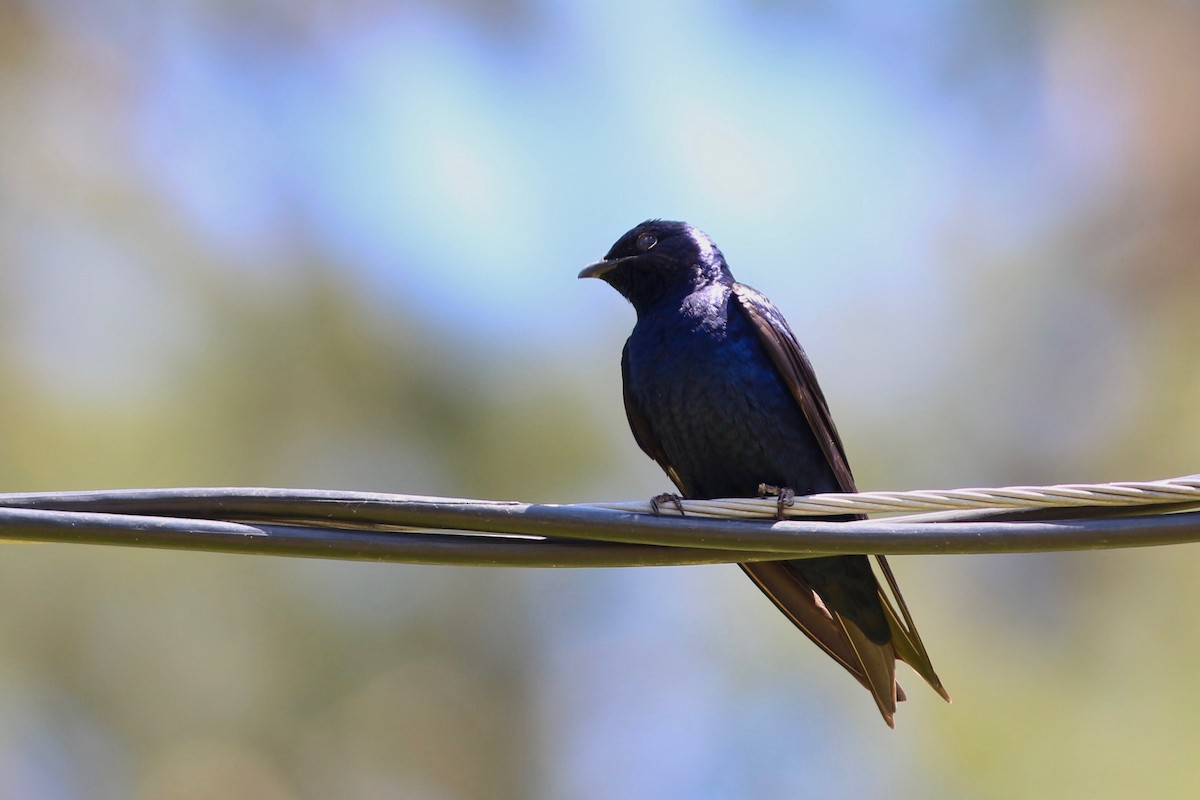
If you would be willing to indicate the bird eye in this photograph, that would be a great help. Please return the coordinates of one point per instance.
(645, 241)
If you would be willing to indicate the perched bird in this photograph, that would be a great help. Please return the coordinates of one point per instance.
(720, 394)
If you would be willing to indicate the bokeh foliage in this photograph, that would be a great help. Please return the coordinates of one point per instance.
(190, 295)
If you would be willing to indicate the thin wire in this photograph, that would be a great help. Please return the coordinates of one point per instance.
(432, 530)
(409, 547)
(1071, 495)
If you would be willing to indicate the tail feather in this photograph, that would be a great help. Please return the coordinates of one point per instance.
(879, 665)
(804, 608)
(872, 664)
(905, 639)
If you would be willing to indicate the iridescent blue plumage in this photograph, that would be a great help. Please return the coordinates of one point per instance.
(720, 394)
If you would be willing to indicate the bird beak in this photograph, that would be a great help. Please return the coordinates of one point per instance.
(598, 268)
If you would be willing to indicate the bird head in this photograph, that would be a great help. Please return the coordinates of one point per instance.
(660, 259)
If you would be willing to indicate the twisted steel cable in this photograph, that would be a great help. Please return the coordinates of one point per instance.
(435, 530)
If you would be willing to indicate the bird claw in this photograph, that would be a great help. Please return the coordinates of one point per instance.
(787, 497)
(666, 497)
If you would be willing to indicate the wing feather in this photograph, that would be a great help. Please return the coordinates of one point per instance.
(875, 663)
(797, 373)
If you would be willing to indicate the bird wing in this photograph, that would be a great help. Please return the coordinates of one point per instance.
(869, 664)
(798, 375)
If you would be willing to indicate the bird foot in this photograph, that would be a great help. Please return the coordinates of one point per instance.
(787, 497)
(667, 497)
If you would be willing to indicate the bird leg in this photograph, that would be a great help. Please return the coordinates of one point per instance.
(666, 497)
(787, 497)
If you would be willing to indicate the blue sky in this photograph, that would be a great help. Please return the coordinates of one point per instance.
(464, 172)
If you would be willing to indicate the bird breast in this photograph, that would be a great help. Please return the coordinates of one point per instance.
(716, 403)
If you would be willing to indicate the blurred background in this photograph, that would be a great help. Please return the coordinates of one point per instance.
(334, 245)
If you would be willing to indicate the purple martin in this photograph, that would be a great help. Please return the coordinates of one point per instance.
(720, 394)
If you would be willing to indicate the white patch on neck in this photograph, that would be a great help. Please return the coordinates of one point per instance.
(706, 307)
(704, 244)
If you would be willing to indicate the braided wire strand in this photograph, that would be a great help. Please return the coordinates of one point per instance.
(1169, 491)
(441, 530)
